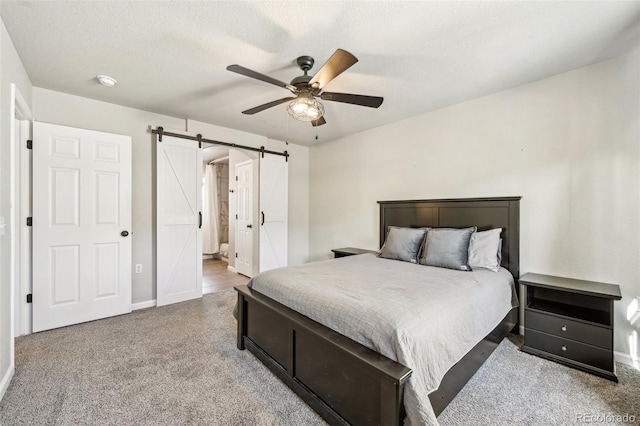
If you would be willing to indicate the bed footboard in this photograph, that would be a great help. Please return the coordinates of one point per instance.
(343, 381)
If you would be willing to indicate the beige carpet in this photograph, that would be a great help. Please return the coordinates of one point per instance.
(178, 365)
(173, 365)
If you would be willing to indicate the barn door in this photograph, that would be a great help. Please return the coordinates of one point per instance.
(179, 220)
(81, 225)
(274, 178)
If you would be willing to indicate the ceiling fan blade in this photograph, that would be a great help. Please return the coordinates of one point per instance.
(267, 105)
(319, 122)
(363, 100)
(253, 74)
(339, 62)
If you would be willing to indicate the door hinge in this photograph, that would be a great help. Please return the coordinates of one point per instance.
(29, 144)
(236, 216)
(236, 255)
(29, 221)
(199, 138)
(236, 178)
(29, 298)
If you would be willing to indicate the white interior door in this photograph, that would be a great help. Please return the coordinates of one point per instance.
(179, 220)
(81, 221)
(244, 222)
(274, 186)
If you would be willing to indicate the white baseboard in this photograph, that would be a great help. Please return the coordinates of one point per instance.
(232, 269)
(626, 359)
(143, 305)
(4, 384)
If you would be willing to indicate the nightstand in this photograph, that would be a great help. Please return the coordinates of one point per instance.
(571, 322)
(349, 251)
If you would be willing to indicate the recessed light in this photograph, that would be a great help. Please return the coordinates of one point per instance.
(105, 80)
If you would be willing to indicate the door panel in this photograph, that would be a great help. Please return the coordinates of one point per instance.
(108, 190)
(65, 274)
(274, 186)
(179, 207)
(81, 204)
(244, 223)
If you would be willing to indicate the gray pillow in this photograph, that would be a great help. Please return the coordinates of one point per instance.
(447, 248)
(403, 244)
(484, 248)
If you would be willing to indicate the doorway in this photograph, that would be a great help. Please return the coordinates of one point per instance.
(230, 250)
(220, 190)
(215, 228)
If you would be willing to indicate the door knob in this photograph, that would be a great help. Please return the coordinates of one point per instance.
(249, 226)
(124, 233)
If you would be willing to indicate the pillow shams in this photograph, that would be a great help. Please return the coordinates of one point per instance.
(403, 244)
(484, 248)
(447, 248)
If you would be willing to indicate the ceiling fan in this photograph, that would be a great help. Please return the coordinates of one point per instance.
(303, 106)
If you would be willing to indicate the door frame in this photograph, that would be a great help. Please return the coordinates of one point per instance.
(21, 175)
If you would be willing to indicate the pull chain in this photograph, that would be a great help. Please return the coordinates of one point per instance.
(286, 118)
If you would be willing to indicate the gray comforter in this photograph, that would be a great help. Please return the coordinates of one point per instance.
(423, 317)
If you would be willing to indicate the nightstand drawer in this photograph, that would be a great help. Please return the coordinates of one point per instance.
(569, 329)
(585, 354)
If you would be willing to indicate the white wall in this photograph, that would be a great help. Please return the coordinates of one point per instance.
(11, 71)
(61, 108)
(569, 145)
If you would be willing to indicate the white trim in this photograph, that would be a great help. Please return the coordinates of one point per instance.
(626, 359)
(4, 384)
(20, 210)
(521, 330)
(232, 269)
(143, 305)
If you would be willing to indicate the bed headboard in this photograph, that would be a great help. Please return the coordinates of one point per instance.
(485, 213)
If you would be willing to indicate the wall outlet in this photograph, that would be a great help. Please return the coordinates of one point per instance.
(138, 268)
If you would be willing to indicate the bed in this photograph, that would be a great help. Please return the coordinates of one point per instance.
(346, 381)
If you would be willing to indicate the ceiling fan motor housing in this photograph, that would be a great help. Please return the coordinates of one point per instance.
(305, 63)
(302, 82)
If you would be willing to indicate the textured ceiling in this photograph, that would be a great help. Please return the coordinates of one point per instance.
(170, 57)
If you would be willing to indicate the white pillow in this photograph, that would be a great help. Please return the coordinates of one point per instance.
(483, 250)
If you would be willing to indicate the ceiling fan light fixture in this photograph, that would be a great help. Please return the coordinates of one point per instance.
(305, 108)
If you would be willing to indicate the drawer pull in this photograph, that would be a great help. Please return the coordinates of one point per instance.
(564, 328)
(564, 347)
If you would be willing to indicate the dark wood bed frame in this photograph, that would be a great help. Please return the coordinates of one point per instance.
(345, 382)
